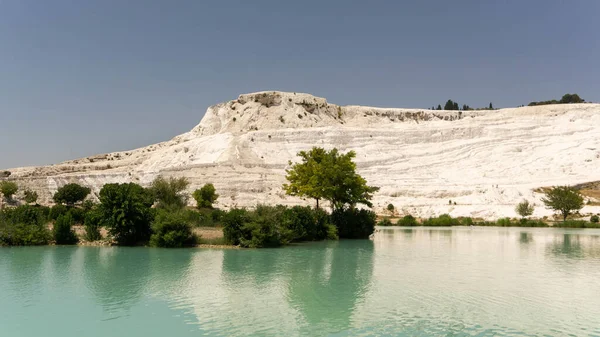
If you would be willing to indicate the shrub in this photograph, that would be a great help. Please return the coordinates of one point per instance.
(233, 223)
(524, 209)
(354, 223)
(126, 212)
(171, 230)
(56, 211)
(170, 193)
(30, 196)
(564, 199)
(71, 194)
(308, 224)
(63, 233)
(504, 222)
(78, 214)
(206, 196)
(407, 220)
(8, 189)
(22, 234)
(594, 219)
(443, 220)
(385, 222)
(466, 221)
(576, 224)
(92, 224)
(390, 207)
(25, 214)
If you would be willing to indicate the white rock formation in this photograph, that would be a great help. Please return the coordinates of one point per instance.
(485, 161)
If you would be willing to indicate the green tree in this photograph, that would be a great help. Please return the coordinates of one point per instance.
(331, 176)
(171, 230)
(563, 199)
(126, 212)
(170, 193)
(491, 106)
(31, 196)
(62, 232)
(390, 207)
(449, 105)
(92, 224)
(439, 107)
(8, 189)
(455, 106)
(206, 196)
(571, 98)
(71, 194)
(524, 209)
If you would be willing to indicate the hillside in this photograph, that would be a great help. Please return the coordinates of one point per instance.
(485, 161)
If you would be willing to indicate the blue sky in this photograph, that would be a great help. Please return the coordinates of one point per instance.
(84, 77)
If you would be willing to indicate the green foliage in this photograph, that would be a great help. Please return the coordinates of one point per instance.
(171, 230)
(443, 220)
(390, 207)
(504, 222)
(206, 196)
(449, 105)
(22, 234)
(23, 226)
(170, 193)
(126, 212)
(92, 224)
(385, 222)
(354, 223)
(328, 175)
(566, 99)
(233, 223)
(78, 214)
(439, 107)
(563, 199)
(71, 194)
(524, 209)
(577, 224)
(273, 226)
(594, 219)
(31, 197)
(8, 189)
(407, 220)
(63, 233)
(56, 211)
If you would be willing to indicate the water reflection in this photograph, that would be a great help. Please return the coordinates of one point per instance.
(525, 238)
(116, 277)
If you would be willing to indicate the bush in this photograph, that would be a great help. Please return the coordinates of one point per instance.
(170, 193)
(71, 194)
(504, 222)
(171, 230)
(308, 224)
(443, 220)
(22, 234)
(390, 207)
(354, 223)
(577, 224)
(30, 196)
(126, 212)
(63, 233)
(78, 214)
(594, 219)
(466, 221)
(92, 224)
(25, 214)
(56, 211)
(407, 220)
(8, 189)
(385, 222)
(233, 223)
(206, 196)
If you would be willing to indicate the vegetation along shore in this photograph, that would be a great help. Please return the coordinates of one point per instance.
(128, 214)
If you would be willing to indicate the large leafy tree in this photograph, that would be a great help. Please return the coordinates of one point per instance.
(170, 192)
(126, 212)
(328, 175)
(206, 196)
(31, 196)
(71, 194)
(563, 199)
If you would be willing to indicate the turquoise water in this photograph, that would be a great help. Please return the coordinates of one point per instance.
(406, 282)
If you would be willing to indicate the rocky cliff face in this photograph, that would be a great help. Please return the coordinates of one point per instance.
(485, 161)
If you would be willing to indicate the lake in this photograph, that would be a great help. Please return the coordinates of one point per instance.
(405, 282)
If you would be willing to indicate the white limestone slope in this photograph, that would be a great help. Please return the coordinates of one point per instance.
(485, 161)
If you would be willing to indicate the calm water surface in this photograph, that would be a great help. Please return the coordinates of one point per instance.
(406, 282)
